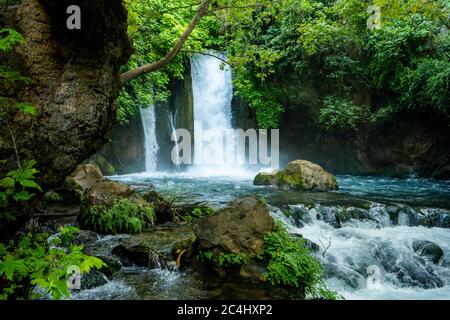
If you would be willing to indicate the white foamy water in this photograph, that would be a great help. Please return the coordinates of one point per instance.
(360, 245)
(150, 143)
(215, 152)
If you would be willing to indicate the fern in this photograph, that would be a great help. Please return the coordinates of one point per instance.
(123, 216)
(291, 264)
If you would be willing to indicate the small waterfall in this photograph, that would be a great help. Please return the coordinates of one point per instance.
(176, 159)
(150, 142)
(213, 92)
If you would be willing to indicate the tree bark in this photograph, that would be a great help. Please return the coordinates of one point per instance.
(157, 65)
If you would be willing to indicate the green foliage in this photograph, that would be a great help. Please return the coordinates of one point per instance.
(123, 216)
(230, 259)
(17, 186)
(33, 267)
(291, 264)
(341, 115)
(199, 212)
(223, 259)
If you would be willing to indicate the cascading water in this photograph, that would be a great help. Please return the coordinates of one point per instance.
(214, 141)
(176, 151)
(150, 141)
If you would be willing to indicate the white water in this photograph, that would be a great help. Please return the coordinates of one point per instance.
(359, 245)
(214, 155)
(176, 152)
(150, 142)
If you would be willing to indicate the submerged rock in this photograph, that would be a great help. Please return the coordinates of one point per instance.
(429, 250)
(239, 228)
(158, 247)
(299, 175)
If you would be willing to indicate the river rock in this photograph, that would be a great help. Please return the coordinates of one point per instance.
(85, 237)
(101, 196)
(299, 175)
(158, 247)
(92, 280)
(82, 178)
(239, 228)
(429, 250)
(104, 193)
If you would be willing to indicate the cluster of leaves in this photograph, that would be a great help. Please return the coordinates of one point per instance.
(199, 212)
(37, 265)
(123, 216)
(222, 259)
(291, 264)
(17, 186)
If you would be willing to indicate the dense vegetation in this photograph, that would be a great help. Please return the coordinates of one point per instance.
(402, 63)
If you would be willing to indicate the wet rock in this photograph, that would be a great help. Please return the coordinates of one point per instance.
(428, 250)
(82, 178)
(164, 210)
(85, 237)
(160, 246)
(239, 228)
(92, 280)
(299, 175)
(432, 217)
(266, 179)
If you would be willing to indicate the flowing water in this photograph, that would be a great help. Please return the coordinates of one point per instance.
(151, 144)
(365, 233)
(214, 139)
(371, 222)
(176, 152)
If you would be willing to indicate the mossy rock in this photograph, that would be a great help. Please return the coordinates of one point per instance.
(299, 175)
(110, 207)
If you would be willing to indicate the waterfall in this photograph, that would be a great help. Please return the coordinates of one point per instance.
(150, 142)
(176, 151)
(213, 92)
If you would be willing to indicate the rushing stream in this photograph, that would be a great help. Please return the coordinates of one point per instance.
(391, 214)
(366, 234)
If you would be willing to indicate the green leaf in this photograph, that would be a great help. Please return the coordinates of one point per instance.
(10, 266)
(7, 182)
(23, 196)
(27, 108)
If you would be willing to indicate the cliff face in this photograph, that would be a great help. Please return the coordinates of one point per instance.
(76, 76)
(411, 143)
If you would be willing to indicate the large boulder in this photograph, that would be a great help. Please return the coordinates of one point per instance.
(238, 229)
(299, 175)
(82, 178)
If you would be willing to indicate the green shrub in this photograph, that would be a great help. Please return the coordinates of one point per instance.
(199, 212)
(342, 115)
(123, 216)
(291, 264)
(16, 187)
(34, 267)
